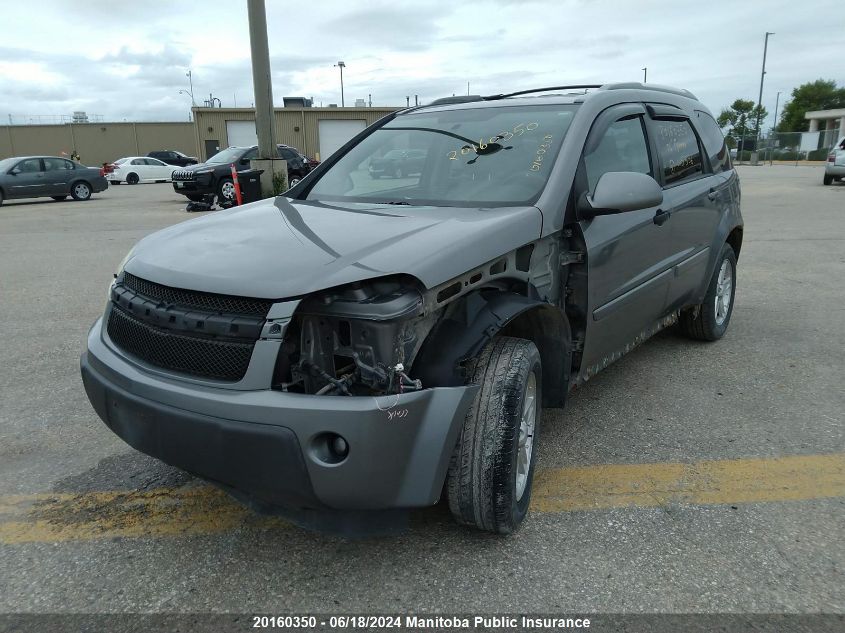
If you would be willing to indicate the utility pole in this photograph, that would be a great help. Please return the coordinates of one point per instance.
(760, 96)
(645, 74)
(190, 77)
(341, 65)
(774, 127)
(408, 102)
(370, 97)
(262, 83)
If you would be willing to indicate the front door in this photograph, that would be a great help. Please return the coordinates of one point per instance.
(27, 179)
(628, 254)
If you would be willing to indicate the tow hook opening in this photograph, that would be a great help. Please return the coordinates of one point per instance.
(329, 448)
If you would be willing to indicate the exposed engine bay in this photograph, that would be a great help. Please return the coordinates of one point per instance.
(355, 340)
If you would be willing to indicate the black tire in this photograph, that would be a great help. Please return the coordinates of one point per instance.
(59, 198)
(195, 198)
(132, 179)
(700, 322)
(827, 179)
(80, 190)
(481, 484)
(225, 184)
(1, 198)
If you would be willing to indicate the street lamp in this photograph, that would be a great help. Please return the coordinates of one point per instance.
(760, 96)
(190, 91)
(341, 65)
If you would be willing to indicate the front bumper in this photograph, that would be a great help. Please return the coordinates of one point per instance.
(262, 443)
(192, 187)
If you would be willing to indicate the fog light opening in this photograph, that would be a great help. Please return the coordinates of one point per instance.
(330, 448)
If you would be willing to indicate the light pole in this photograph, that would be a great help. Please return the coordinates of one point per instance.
(190, 91)
(774, 127)
(760, 96)
(645, 74)
(341, 65)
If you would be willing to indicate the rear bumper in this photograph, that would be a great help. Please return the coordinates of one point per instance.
(263, 444)
(834, 170)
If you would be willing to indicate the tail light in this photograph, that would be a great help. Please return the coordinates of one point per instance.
(102, 171)
(831, 158)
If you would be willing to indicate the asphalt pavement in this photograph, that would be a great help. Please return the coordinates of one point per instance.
(687, 477)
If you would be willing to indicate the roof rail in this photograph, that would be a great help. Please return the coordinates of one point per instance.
(636, 85)
(533, 90)
(454, 99)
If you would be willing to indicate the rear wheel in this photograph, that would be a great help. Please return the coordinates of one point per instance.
(490, 476)
(132, 179)
(827, 179)
(709, 320)
(59, 198)
(80, 190)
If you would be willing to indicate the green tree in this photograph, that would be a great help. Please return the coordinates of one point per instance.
(817, 95)
(742, 118)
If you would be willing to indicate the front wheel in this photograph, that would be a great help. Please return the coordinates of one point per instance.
(226, 190)
(490, 475)
(709, 320)
(80, 191)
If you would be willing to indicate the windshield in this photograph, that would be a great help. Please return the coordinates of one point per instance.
(490, 156)
(230, 155)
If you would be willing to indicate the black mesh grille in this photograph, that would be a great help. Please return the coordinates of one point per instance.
(197, 300)
(221, 360)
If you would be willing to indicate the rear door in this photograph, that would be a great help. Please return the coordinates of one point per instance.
(58, 173)
(159, 170)
(627, 253)
(27, 179)
(138, 166)
(693, 195)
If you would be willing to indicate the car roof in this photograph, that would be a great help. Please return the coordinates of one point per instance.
(562, 95)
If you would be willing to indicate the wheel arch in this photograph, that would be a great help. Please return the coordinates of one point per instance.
(735, 240)
(476, 319)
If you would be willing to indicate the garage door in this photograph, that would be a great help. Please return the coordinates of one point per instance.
(241, 133)
(333, 134)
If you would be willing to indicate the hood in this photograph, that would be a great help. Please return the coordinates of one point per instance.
(199, 166)
(279, 248)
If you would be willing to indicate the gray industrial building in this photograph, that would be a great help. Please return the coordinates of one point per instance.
(317, 132)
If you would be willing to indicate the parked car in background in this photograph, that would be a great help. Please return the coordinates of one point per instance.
(172, 157)
(398, 163)
(834, 168)
(48, 177)
(135, 169)
(215, 175)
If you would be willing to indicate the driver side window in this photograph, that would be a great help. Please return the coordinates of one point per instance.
(622, 148)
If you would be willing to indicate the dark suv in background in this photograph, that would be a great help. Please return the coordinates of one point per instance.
(172, 157)
(215, 175)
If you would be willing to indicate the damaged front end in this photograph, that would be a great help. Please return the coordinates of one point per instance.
(356, 340)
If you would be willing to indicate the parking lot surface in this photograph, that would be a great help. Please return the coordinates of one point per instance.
(687, 477)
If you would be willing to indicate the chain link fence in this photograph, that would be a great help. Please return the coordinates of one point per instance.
(784, 147)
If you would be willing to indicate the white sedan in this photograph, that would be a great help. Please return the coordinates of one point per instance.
(135, 169)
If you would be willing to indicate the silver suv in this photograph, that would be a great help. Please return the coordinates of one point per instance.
(360, 346)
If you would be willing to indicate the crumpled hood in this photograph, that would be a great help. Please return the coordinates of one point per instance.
(280, 248)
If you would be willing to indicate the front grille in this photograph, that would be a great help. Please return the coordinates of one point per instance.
(197, 300)
(205, 357)
(183, 174)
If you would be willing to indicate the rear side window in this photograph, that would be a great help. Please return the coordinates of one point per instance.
(714, 142)
(677, 146)
(622, 148)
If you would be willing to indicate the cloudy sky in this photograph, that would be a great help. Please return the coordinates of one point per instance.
(127, 60)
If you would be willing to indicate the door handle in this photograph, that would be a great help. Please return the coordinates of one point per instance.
(661, 216)
(713, 195)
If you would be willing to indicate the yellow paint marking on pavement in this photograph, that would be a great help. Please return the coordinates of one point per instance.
(708, 482)
(202, 509)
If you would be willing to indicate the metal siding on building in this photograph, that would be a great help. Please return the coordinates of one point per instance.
(96, 142)
(211, 123)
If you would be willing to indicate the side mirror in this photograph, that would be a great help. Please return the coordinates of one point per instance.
(618, 192)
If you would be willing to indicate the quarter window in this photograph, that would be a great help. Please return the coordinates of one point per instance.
(677, 145)
(622, 148)
(714, 142)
